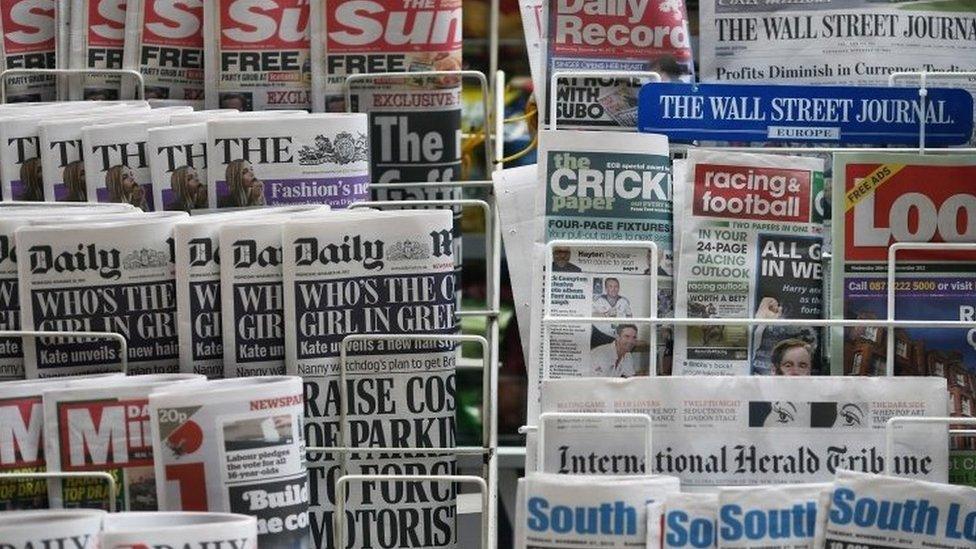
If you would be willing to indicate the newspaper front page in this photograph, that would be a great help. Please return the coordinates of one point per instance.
(614, 188)
(97, 41)
(257, 55)
(588, 35)
(109, 276)
(176, 530)
(376, 273)
(689, 520)
(235, 446)
(772, 517)
(883, 512)
(561, 512)
(581, 445)
(104, 428)
(29, 529)
(178, 167)
(767, 430)
(164, 42)
(751, 247)
(29, 42)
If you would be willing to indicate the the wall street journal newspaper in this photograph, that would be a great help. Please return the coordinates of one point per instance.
(884, 512)
(562, 512)
(639, 35)
(164, 42)
(104, 428)
(769, 430)
(99, 276)
(257, 55)
(774, 517)
(235, 446)
(376, 273)
(751, 247)
(96, 41)
(614, 188)
(29, 42)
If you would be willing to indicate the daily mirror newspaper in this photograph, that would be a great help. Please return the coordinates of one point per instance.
(164, 42)
(104, 428)
(634, 35)
(562, 512)
(751, 247)
(97, 41)
(99, 276)
(773, 517)
(235, 446)
(29, 42)
(257, 54)
(615, 188)
(386, 273)
(768, 430)
(883, 512)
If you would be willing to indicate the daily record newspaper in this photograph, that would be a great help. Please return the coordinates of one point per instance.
(616, 188)
(97, 41)
(561, 512)
(311, 159)
(845, 42)
(235, 446)
(29, 38)
(376, 273)
(765, 430)
(883, 512)
(633, 35)
(880, 199)
(164, 42)
(109, 276)
(104, 428)
(751, 247)
(772, 517)
(257, 56)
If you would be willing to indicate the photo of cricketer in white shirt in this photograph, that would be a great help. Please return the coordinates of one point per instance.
(615, 359)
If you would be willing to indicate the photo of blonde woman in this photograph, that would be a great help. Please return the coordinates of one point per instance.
(189, 192)
(123, 187)
(30, 178)
(244, 188)
(74, 181)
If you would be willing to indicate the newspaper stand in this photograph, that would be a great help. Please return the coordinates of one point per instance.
(140, 81)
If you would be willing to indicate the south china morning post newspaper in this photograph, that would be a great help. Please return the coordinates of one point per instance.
(376, 273)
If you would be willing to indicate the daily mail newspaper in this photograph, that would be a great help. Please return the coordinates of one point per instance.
(883, 512)
(562, 512)
(29, 42)
(688, 520)
(235, 446)
(751, 247)
(773, 517)
(164, 42)
(108, 276)
(310, 159)
(21, 438)
(104, 428)
(615, 188)
(183, 530)
(881, 199)
(767, 430)
(257, 55)
(11, 353)
(624, 35)
(252, 297)
(376, 273)
(97, 40)
(31, 529)
(852, 42)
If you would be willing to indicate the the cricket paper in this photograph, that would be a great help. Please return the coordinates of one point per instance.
(29, 42)
(180, 530)
(383, 273)
(235, 446)
(617, 187)
(774, 517)
(751, 247)
(79, 529)
(578, 512)
(164, 42)
(104, 428)
(732, 431)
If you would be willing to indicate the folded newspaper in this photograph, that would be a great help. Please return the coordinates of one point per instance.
(773, 517)
(580, 512)
(104, 428)
(884, 512)
(685, 520)
(235, 446)
(97, 41)
(164, 42)
(180, 530)
(384, 273)
(751, 247)
(29, 529)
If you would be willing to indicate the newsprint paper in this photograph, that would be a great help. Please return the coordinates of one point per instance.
(179, 530)
(883, 512)
(765, 430)
(104, 428)
(164, 42)
(378, 273)
(28, 42)
(772, 517)
(110, 276)
(688, 520)
(615, 188)
(561, 512)
(97, 41)
(235, 446)
(751, 247)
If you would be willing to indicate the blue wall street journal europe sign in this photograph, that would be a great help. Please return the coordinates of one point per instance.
(822, 114)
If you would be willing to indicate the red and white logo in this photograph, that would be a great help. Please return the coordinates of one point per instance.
(106, 23)
(173, 23)
(105, 433)
(21, 420)
(744, 192)
(28, 25)
(270, 24)
(405, 26)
